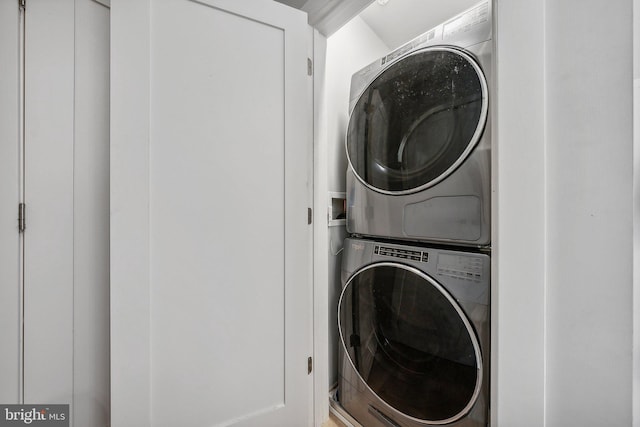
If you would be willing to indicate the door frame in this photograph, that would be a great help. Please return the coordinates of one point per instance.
(11, 194)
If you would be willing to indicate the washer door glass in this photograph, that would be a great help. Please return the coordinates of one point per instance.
(410, 342)
(417, 121)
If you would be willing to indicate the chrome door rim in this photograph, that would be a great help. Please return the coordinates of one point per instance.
(465, 321)
(472, 143)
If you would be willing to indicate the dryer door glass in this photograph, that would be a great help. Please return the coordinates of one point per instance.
(417, 121)
(410, 342)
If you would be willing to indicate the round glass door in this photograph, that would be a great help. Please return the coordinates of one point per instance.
(417, 121)
(410, 343)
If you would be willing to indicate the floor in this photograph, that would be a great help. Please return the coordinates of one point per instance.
(333, 422)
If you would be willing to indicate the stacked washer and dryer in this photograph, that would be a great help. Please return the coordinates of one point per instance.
(414, 311)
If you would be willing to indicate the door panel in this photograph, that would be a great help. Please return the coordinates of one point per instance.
(91, 216)
(48, 328)
(67, 194)
(10, 289)
(228, 189)
(410, 342)
(217, 206)
(417, 121)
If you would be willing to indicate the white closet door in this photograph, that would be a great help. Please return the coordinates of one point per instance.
(91, 216)
(48, 281)
(211, 262)
(66, 241)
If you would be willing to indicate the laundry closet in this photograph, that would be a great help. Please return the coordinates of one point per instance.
(357, 46)
(536, 200)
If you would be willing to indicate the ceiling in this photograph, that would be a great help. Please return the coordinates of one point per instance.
(328, 16)
(395, 23)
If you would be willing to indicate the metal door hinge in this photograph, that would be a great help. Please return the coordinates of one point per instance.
(21, 218)
(309, 215)
(309, 67)
(309, 365)
(23, 4)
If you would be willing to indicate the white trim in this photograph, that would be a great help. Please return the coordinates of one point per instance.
(636, 217)
(329, 16)
(320, 241)
(636, 234)
(106, 3)
(545, 218)
(518, 240)
(11, 194)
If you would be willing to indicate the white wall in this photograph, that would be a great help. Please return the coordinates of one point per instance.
(563, 300)
(589, 213)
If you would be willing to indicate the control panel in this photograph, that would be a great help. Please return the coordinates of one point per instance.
(460, 266)
(412, 255)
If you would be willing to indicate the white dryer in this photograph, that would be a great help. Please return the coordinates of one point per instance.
(414, 329)
(419, 137)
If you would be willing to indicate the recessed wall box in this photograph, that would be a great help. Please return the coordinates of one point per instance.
(337, 209)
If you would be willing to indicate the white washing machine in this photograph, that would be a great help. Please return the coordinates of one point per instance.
(414, 329)
(419, 137)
